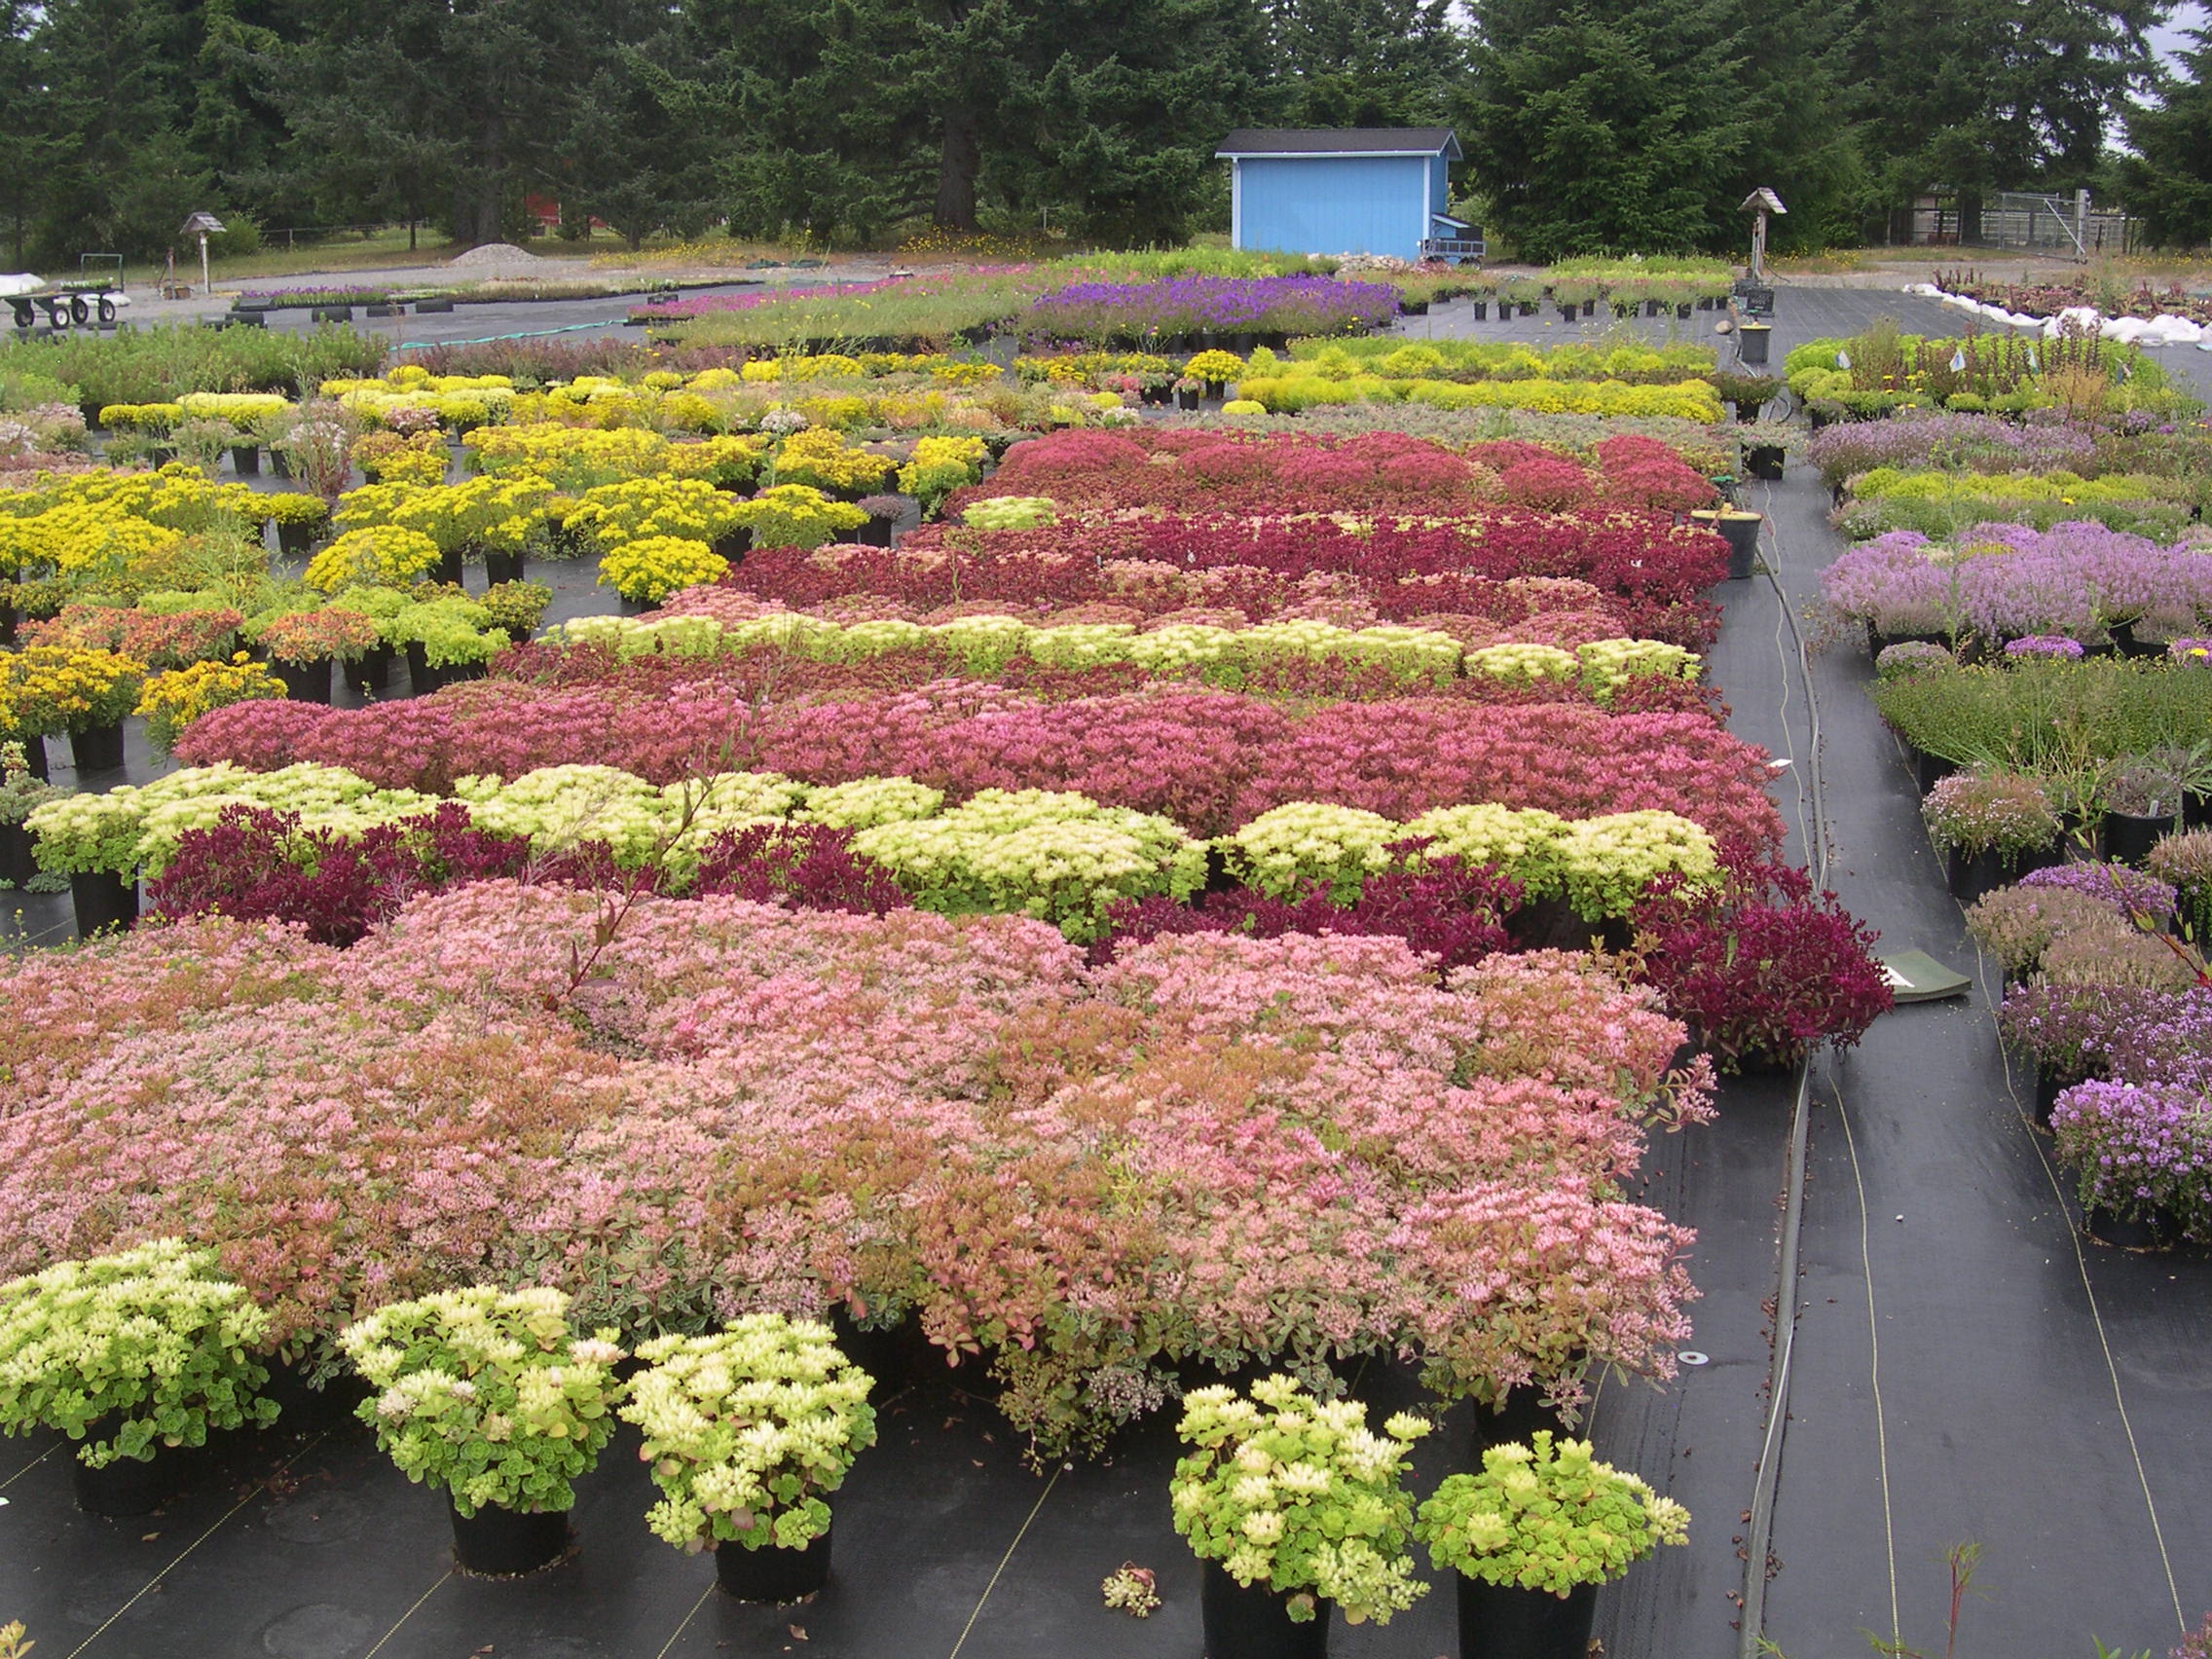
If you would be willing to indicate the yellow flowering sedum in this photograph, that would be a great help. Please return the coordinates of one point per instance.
(652, 568)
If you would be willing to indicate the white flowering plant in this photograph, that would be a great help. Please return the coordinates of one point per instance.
(489, 1395)
(1546, 1516)
(1298, 1494)
(151, 1346)
(746, 1429)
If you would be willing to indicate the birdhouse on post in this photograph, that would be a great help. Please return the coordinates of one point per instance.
(1761, 202)
(204, 224)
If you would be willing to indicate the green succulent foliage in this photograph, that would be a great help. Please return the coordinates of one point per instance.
(152, 1348)
(1546, 1516)
(746, 1429)
(489, 1395)
(1299, 1494)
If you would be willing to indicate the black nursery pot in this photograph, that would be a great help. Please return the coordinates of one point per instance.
(2109, 1227)
(303, 682)
(1254, 1622)
(103, 901)
(772, 1576)
(1929, 770)
(1971, 875)
(17, 865)
(2129, 838)
(1481, 309)
(2049, 1085)
(1502, 1623)
(422, 678)
(129, 1487)
(1765, 461)
(504, 1543)
(368, 671)
(97, 748)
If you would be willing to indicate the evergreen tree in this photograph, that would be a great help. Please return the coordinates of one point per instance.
(2168, 179)
(1974, 96)
(1609, 125)
(1366, 63)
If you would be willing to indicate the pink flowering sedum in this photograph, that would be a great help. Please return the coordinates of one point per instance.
(1301, 1149)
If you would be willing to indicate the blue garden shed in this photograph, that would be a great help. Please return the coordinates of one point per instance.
(1344, 190)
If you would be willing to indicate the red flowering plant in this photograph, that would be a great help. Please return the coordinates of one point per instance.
(1760, 968)
(808, 866)
(258, 865)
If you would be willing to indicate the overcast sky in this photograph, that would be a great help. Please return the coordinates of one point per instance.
(2188, 17)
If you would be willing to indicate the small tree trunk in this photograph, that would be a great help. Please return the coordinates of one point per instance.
(956, 173)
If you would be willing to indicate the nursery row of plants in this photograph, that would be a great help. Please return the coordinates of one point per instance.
(1883, 369)
(2037, 591)
(2049, 295)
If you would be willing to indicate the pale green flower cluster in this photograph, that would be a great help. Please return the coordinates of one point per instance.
(745, 1429)
(1298, 1494)
(1011, 512)
(1284, 851)
(138, 826)
(1056, 856)
(1547, 1516)
(1601, 666)
(985, 644)
(1524, 664)
(865, 802)
(1606, 663)
(151, 1345)
(1612, 861)
(1603, 866)
(488, 1393)
(557, 807)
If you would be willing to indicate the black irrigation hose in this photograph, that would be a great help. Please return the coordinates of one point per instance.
(1759, 1534)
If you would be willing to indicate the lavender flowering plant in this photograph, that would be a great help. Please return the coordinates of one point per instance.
(2139, 1149)
(2125, 891)
(1105, 313)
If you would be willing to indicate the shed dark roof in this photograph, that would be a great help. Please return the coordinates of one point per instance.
(1341, 141)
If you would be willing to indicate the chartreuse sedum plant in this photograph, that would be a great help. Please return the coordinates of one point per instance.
(746, 1429)
(131, 1353)
(1298, 1494)
(1010, 512)
(1058, 857)
(1546, 1516)
(489, 1395)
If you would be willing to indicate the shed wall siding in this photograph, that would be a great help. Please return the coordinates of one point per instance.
(1333, 204)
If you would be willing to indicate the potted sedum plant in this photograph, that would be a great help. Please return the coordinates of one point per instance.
(1292, 1504)
(746, 1430)
(138, 1355)
(1532, 1536)
(489, 1395)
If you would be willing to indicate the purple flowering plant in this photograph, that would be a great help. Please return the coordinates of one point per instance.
(2139, 1149)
